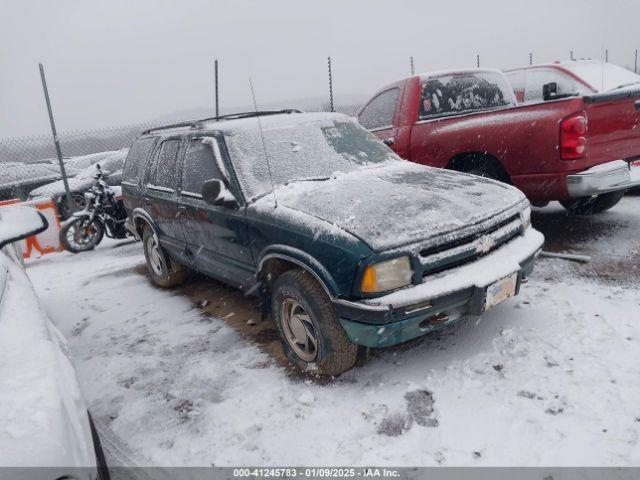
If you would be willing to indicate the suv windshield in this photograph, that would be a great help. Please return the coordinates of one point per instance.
(304, 151)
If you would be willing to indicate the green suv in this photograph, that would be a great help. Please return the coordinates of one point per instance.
(345, 243)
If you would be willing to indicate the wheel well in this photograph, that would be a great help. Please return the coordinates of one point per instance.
(465, 162)
(139, 224)
(272, 268)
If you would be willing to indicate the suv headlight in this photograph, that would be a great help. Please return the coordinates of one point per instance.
(525, 218)
(387, 275)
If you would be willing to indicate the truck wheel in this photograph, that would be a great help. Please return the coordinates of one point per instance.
(488, 171)
(163, 271)
(311, 334)
(592, 205)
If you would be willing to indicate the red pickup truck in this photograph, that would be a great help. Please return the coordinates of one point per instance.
(553, 134)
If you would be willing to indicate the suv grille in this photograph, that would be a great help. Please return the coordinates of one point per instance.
(470, 248)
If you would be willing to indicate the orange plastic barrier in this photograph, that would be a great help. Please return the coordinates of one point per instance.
(47, 241)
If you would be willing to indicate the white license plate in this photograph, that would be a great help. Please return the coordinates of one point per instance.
(501, 290)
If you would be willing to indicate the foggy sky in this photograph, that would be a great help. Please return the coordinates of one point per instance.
(117, 62)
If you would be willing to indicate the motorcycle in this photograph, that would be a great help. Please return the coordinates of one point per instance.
(104, 214)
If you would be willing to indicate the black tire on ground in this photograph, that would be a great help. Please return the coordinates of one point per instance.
(488, 171)
(101, 463)
(74, 246)
(163, 271)
(592, 205)
(332, 353)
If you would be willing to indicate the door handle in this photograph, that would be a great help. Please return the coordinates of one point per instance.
(182, 209)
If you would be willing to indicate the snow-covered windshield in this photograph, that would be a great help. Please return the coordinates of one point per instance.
(463, 92)
(302, 151)
(603, 76)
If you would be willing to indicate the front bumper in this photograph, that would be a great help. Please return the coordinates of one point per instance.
(440, 300)
(607, 177)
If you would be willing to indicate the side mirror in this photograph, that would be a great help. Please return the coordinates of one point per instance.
(215, 192)
(19, 222)
(549, 91)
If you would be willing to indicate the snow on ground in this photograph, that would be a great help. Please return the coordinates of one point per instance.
(550, 377)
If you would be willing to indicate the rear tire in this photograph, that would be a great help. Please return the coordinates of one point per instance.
(163, 271)
(592, 205)
(311, 334)
(75, 238)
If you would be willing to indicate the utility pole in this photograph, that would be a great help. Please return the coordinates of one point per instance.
(411, 64)
(571, 55)
(606, 56)
(478, 60)
(330, 85)
(63, 171)
(216, 89)
(531, 59)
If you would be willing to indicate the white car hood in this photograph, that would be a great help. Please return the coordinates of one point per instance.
(43, 419)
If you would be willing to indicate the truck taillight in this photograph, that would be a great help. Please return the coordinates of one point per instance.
(573, 137)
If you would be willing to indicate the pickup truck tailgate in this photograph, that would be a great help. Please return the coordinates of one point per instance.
(613, 126)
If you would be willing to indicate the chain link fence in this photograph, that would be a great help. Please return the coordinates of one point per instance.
(29, 167)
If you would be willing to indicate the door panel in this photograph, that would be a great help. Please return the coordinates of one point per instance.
(217, 237)
(161, 198)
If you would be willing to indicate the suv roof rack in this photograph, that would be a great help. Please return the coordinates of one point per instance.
(231, 116)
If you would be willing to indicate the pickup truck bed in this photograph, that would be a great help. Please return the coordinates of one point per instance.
(570, 148)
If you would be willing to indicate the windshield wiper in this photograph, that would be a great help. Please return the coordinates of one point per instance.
(309, 179)
(624, 85)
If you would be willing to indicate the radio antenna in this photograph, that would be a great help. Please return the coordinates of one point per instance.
(264, 145)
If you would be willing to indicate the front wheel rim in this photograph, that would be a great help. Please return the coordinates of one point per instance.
(298, 330)
(155, 257)
(81, 234)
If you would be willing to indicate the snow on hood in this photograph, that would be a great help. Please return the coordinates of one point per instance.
(17, 221)
(43, 419)
(398, 203)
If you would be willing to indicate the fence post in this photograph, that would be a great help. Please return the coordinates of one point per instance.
(478, 60)
(216, 88)
(606, 55)
(330, 85)
(571, 55)
(531, 59)
(411, 64)
(63, 171)
(635, 64)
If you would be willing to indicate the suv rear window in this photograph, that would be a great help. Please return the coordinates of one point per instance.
(163, 174)
(138, 153)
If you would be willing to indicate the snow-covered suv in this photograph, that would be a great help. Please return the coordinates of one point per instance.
(347, 243)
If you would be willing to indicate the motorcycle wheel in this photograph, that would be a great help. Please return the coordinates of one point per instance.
(81, 235)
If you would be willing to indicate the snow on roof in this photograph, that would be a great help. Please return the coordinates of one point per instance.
(276, 121)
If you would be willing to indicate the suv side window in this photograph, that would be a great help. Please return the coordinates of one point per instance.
(163, 173)
(200, 164)
(379, 112)
(138, 153)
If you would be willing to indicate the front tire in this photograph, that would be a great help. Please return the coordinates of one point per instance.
(81, 234)
(311, 335)
(163, 271)
(592, 205)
